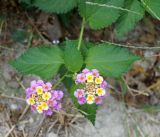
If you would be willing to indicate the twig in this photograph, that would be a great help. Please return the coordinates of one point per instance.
(9, 123)
(20, 83)
(156, 55)
(39, 33)
(14, 132)
(25, 110)
(113, 88)
(132, 47)
(52, 125)
(76, 127)
(24, 134)
(22, 115)
(143, 92)
(139, 129)
(154, 85)
(8, 126)
(140, 92)
(80, 111)
(67, 114)
(10, 97)
(6, 48)
(74, 119)
(9, 132)
(59, 127)
(36, 133)
(66, 132)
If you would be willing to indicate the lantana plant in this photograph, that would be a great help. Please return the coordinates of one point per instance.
(83, 71)
(82, 66)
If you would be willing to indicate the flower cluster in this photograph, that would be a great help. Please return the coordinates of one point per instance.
(42, 98)
(93, 87)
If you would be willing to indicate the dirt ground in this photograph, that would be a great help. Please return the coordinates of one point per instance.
(137, 114)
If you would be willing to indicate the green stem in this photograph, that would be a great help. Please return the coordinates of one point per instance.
(81, 33)
(60, 80)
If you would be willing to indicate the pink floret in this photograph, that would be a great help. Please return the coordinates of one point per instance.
(82, 100)
(79, 93)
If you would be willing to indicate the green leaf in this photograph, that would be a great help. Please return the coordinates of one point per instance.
(153, 7)
(89, 111)
(109, 59)
(57, 6)
(128, 19)
(72, 57)
(85, 45)
(42, 61)
(100, 13)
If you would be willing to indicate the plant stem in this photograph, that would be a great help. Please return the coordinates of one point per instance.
(59, 81)
(81, 33)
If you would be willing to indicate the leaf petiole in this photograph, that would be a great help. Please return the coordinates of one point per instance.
(81, 33)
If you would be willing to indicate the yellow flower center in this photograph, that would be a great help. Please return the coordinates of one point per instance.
(39, 90)
(99, 80)
(46, 96)
(89, 77)
(44, 106)
(40, 108)
(100, 91)
(30, 101)
(90, 99)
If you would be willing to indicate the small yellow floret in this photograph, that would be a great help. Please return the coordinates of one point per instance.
(99, 80)
(46, 96)
(44, 106)
(100, 92)
(39, 90)
(90, 99)
(40, 109)
(89, 77)
(30, 101)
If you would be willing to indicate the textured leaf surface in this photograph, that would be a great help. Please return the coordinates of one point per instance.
(57, 6)
(43, 61)
(128, 19)
(153, 7)
(100, 13)
(72, 57)
(89, 110)
(110, 60)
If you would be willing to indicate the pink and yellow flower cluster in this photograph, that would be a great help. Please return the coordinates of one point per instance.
(93, 87)
(42, 98)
